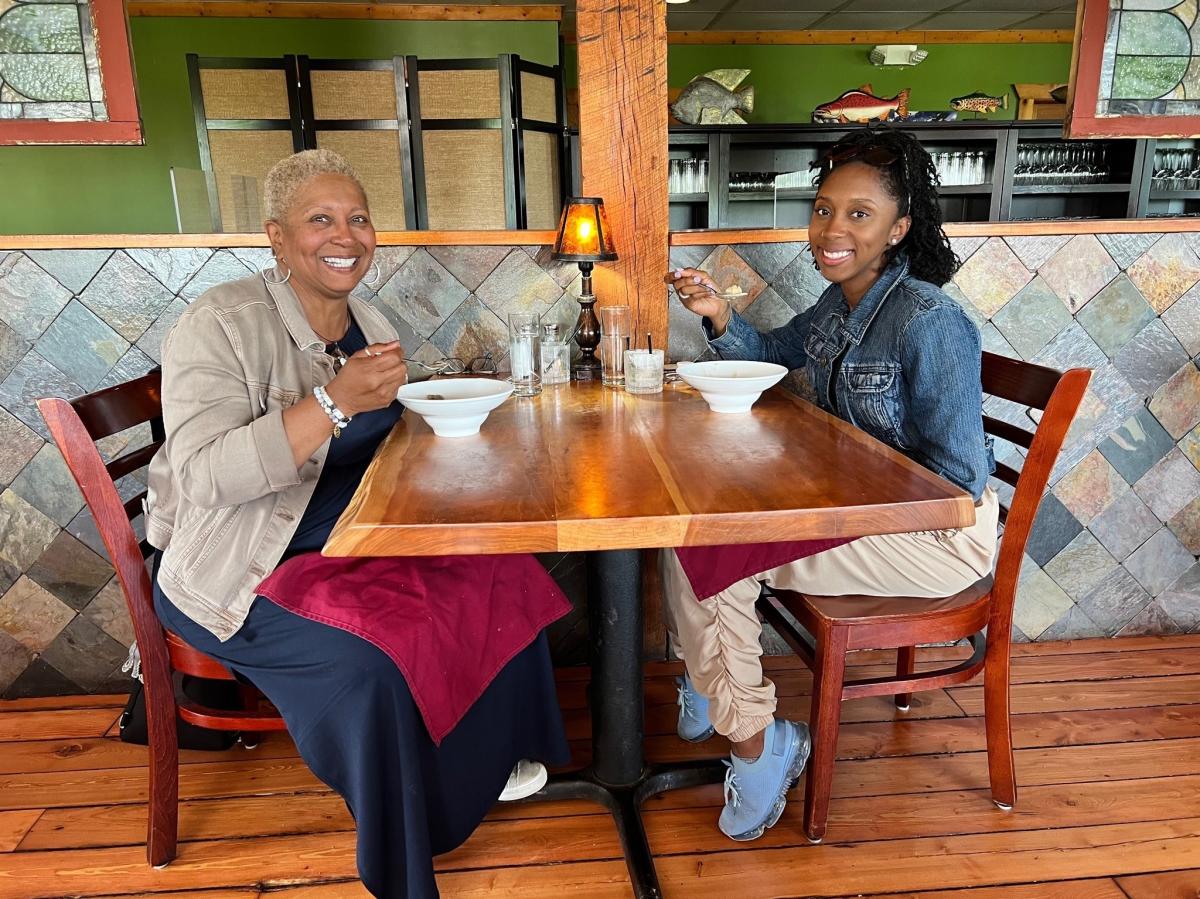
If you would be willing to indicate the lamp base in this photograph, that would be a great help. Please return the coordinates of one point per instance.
(587, 331)
(586, 370)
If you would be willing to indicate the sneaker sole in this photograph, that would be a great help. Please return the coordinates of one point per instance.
(803, 749)
(525, 790)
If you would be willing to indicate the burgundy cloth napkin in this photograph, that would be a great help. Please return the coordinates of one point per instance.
(711, 569)
(450, 623)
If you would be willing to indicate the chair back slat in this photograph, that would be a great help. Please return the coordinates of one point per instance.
(1007, 474)
(1058, 395)
(118, 408)
(1020, 382)
(1006, 431)
(132, 461)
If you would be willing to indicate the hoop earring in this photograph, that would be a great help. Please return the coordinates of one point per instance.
(372, 280)
(275, 268)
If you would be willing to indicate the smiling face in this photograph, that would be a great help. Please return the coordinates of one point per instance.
(326, 239)
(854, 222)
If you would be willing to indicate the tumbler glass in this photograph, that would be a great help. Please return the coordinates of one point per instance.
(614, 340)
(524, 332)
(643, 371)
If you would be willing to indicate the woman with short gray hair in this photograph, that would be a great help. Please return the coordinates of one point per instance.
(414, 687)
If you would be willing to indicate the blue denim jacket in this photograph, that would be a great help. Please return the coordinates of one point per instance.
(910, 376)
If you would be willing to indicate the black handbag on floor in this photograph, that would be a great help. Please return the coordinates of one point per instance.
(217, 694)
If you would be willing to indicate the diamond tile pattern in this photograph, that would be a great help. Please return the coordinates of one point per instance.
(1103, 559)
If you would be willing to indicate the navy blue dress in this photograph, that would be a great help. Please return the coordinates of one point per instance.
(353, 719)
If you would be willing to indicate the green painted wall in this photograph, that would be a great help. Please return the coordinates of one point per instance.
(790, 80)
(97, 190)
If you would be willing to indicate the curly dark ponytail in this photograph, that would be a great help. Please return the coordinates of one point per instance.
(912, 182)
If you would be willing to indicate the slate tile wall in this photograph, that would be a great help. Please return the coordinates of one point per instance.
(1114, 549)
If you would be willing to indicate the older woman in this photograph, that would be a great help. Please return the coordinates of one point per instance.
(276, 391)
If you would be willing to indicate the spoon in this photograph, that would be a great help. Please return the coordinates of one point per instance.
(734, 293)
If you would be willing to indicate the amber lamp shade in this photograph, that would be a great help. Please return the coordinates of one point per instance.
(584, 237)
(583, 232)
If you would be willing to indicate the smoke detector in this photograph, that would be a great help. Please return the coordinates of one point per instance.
(897, 55)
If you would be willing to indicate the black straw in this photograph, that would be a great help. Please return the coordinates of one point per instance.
(649, 343)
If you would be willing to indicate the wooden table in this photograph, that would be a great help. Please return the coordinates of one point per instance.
(584, 468)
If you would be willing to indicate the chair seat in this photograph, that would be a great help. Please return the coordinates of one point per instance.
(187, 660)
(875, 610)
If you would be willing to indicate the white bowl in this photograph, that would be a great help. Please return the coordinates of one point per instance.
(731, 385)
(454, 407)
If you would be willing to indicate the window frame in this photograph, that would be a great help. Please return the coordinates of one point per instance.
(124, 125)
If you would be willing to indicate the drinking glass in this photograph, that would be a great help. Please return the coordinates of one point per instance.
(614, 340)
(524, 332)
(643, 371)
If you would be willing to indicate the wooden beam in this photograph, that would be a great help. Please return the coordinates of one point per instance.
(765, 38)
(623, 149)
(306, 9)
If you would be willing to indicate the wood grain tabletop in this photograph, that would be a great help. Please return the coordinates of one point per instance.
(583, 467)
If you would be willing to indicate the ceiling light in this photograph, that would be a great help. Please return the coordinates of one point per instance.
(679, 1)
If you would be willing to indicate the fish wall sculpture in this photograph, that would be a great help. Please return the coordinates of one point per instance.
(979, 102)
(714, 98)
(861, 105)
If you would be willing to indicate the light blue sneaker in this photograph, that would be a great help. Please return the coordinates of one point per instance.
(756, 792)
(693, 725)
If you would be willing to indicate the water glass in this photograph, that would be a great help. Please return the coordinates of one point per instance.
(556, 356)
(524, 332)
(643, 371)
(614, 340)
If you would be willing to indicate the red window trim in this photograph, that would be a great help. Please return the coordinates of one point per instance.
(124, 125)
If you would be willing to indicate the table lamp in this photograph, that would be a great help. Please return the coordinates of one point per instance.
(584, 237)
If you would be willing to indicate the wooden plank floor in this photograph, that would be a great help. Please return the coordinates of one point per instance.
(1108, 737)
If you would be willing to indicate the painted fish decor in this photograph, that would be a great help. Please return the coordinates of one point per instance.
(714, 99)
(979, 102)
(861, 105)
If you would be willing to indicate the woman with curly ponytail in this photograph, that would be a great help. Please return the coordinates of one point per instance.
(888, 351)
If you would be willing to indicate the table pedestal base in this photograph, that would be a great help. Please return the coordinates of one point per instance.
(625, 801)
(618, 777)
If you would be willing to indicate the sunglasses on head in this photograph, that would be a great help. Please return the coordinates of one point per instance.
(840, 155)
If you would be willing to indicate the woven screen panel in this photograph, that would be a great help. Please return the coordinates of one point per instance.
(244, 93)
(354, 95)
(542, 205)
(538, 101)
(464, 179)
(240, 162)
(460, 94)
(375, 155)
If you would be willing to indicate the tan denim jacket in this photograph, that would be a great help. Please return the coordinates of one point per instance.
(224, 496)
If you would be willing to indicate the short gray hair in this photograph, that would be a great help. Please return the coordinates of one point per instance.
(286, 177)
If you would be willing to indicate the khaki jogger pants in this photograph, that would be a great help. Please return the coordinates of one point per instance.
(719, 638)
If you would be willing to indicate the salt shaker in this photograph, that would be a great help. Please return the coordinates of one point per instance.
(556, 355)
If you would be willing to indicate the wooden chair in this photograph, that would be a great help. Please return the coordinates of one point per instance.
(838, 624)
(75, 426)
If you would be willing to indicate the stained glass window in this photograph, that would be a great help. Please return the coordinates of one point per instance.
(1151, 59)
(49, 67)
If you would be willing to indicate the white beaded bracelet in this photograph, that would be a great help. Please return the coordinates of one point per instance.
(336, 415)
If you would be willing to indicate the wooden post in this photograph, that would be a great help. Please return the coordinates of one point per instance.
(623, 153)
(623, 149)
